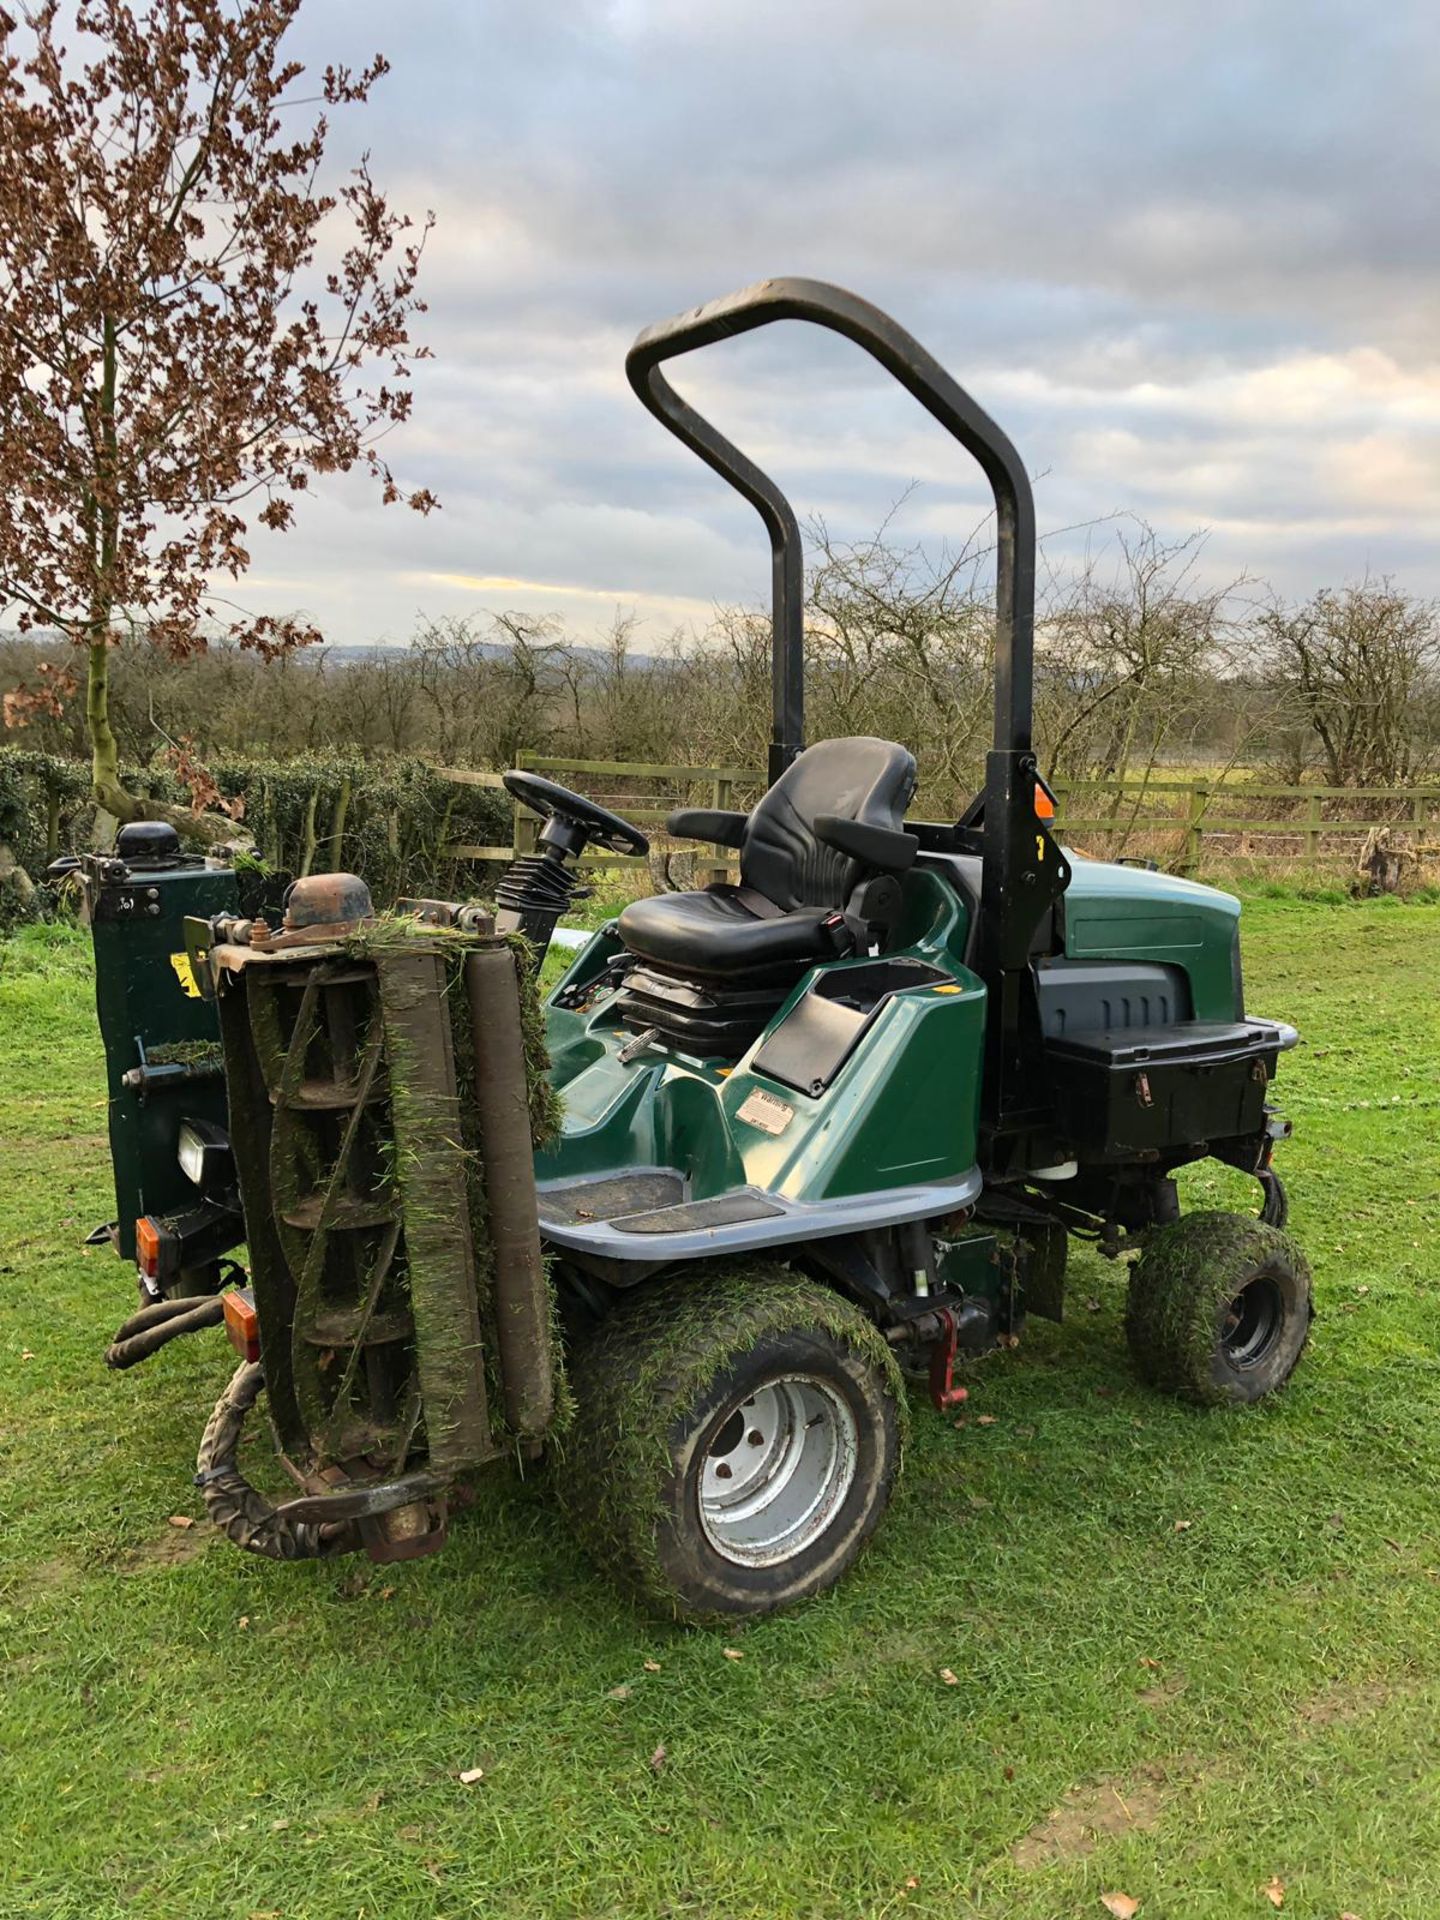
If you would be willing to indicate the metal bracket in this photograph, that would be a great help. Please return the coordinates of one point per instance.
(944, 1394)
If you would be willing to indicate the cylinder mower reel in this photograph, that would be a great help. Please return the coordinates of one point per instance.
(771, 1149)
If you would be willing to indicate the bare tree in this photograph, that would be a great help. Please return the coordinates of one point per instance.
(175, 365)
(1359, 670)
(1128, 657)
(900, 643)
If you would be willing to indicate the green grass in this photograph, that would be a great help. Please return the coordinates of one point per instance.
(1179, 1712)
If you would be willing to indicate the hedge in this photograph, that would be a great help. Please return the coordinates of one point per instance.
(385, 818)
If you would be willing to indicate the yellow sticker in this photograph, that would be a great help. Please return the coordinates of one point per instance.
(185, 974)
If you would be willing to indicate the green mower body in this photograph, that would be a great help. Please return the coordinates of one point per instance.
(860, 1103)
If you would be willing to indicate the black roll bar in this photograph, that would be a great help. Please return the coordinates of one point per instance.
(916, 370)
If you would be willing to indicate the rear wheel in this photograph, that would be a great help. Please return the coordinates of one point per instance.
(737, 1437)
(1219, 1309)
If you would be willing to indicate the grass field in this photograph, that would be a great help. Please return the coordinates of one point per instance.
(1194, 1655)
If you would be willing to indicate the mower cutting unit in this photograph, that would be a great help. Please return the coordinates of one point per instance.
(813, 1129)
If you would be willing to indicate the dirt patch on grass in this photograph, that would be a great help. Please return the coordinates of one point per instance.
(1342, 1704)
(34, 1583)
(1168, 1687)
(1095, 1810)
(171, 1547)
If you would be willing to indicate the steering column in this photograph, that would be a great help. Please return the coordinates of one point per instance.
(539, 886)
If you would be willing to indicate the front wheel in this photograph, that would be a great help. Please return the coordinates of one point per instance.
(1219, 1308)
(737, 1437)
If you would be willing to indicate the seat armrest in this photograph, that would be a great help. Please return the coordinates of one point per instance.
(878, 847)
(709, 824)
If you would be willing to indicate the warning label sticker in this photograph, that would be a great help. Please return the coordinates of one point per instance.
(764, 1111)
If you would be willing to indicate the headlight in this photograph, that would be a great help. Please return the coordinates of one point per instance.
(204, 1154)
(192, 1154)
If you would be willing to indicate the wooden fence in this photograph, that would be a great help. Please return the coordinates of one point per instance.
(1184, 814)
(1313, 820)
(643, 792)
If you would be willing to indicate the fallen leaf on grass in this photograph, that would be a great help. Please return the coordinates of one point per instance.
(618, 1693)
(1092, 1306)
(182, 1520)
(732, 1653)
(243, 1622)
(1120, 1904)
(1183, 1526)
(651, 1666)
(948, 1677)
(658, 1758)
(1146, 1661)
(26, 1354)
(1274, 1891)
(985, 1419)
(471, 1775)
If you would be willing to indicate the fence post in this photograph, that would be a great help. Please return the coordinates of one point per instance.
(1312, 829)
(1194, 830)
(1420, 814)
(721, 793)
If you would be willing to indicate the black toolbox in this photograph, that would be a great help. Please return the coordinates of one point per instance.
(1123, 1091)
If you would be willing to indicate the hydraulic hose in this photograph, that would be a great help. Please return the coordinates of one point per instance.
(240, 1511)
(154, 1327)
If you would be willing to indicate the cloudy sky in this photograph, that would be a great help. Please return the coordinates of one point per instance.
(1187, 254)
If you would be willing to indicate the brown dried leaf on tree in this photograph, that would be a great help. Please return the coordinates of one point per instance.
(179, 357)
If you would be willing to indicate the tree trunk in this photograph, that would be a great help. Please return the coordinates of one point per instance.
(104, 753)
(206, 829)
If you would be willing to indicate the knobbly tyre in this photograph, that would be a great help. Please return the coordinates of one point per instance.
(765, 1145)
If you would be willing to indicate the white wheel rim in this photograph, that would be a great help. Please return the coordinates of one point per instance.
(777, 1470)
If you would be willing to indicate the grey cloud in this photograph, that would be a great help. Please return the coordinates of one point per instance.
(1107, 218)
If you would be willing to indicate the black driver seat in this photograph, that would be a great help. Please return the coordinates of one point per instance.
(745, 945)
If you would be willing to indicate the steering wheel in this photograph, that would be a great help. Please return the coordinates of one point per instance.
(606, 829)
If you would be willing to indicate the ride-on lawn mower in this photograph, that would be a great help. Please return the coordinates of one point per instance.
(775, 1141)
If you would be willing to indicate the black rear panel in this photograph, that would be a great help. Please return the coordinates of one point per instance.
(1142, 1092)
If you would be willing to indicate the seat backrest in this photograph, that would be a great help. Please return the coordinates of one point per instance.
(860, 779)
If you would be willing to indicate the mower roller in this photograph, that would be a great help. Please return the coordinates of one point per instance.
(766, 1150)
